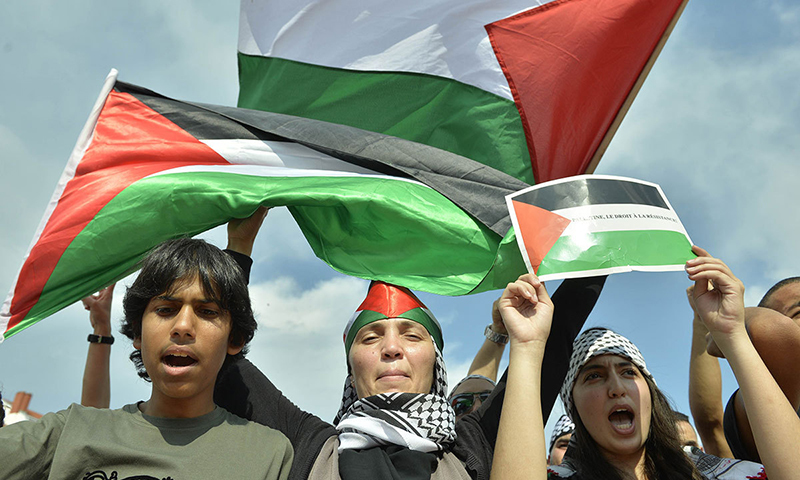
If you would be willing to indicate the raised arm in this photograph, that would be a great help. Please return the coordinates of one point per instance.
(719, 299)
(527, 312)
(574, 300)
(242, 231)
(705, 389)
(487, 360)
(96, 391)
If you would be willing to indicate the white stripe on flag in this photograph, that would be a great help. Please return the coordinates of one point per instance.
(619, 217)
(435, 37)
(268, 171)
(280, 154)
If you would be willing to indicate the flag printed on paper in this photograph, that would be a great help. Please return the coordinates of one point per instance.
(534, 89)
(147, 168)
(597, 225)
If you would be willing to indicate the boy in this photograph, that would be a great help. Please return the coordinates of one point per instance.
(188, 312)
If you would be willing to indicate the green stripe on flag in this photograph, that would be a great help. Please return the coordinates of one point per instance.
(616, 249)
(436, 111)
(358, 215)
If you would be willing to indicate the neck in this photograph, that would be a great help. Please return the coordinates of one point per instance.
(632, 465)
(166, 407)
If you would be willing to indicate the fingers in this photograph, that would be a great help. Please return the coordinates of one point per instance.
(524, 288)
(497, 319)
(705, 269)
(716, 272)
(700, 252)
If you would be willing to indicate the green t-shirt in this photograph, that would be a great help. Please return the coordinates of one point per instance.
(83, 443)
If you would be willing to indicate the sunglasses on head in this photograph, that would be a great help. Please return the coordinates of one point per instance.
(463, 402)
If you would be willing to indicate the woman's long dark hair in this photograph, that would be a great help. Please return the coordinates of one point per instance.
(664, 458)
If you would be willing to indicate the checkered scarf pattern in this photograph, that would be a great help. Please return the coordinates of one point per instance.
(418, 421)
(563, 426)
(593, 343)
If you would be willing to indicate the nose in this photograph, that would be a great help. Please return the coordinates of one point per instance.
(615, 386)
(184, 323)
(392, 348)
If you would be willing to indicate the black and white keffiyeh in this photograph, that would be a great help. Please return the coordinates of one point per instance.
(593, 343)
(715, 468)
(420, 422)
(563, 426)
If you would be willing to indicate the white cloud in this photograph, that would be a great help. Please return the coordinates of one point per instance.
(718, 130)
(299, 342)
(788, 14)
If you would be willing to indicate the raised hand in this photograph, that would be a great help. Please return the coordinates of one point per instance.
(497, 319)
(242, 231)
(718, 294)
(527, 310)
(99, 307)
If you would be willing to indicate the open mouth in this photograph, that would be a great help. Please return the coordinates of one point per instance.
(178, 360)
(622, 419)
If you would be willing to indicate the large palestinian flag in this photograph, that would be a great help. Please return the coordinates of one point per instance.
(147, 168)
(596, 225)
(534, 91)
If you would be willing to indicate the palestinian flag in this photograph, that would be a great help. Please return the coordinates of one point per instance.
(534, 91)
(147, 168)
(595, 225)
(385, 301)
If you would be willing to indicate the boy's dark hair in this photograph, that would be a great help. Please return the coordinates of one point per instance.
(175, 262)
(775, 288)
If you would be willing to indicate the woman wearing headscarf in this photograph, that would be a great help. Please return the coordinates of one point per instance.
(394, 421)
(625, 427)
(393, 425)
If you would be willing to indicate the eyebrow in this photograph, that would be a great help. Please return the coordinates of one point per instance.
(597, 366)
(170, 298)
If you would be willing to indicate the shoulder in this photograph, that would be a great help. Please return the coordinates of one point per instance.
(243, 426)
(715, 468)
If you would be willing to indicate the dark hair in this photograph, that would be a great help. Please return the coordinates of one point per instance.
(768, 296)
(664, 457)
(172, 264)
(680, 417)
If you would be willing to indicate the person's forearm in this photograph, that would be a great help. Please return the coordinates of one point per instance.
(520, 448)
(705, 394)
(774, 422)
(487, 360)
(96, 391)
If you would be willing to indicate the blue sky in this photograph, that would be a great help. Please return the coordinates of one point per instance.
(716, 125)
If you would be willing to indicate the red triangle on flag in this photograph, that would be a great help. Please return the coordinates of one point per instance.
(152, 143)
(539, 230)
(573, 67)
(390, 300)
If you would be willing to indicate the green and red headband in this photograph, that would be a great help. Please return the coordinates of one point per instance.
(386, 301)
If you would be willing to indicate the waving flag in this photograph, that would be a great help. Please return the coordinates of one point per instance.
(534, 92)
(147, 168)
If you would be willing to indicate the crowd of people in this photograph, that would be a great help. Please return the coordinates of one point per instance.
(211, 413)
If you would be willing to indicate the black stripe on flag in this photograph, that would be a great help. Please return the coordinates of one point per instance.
(476, 188)
(592, 191)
